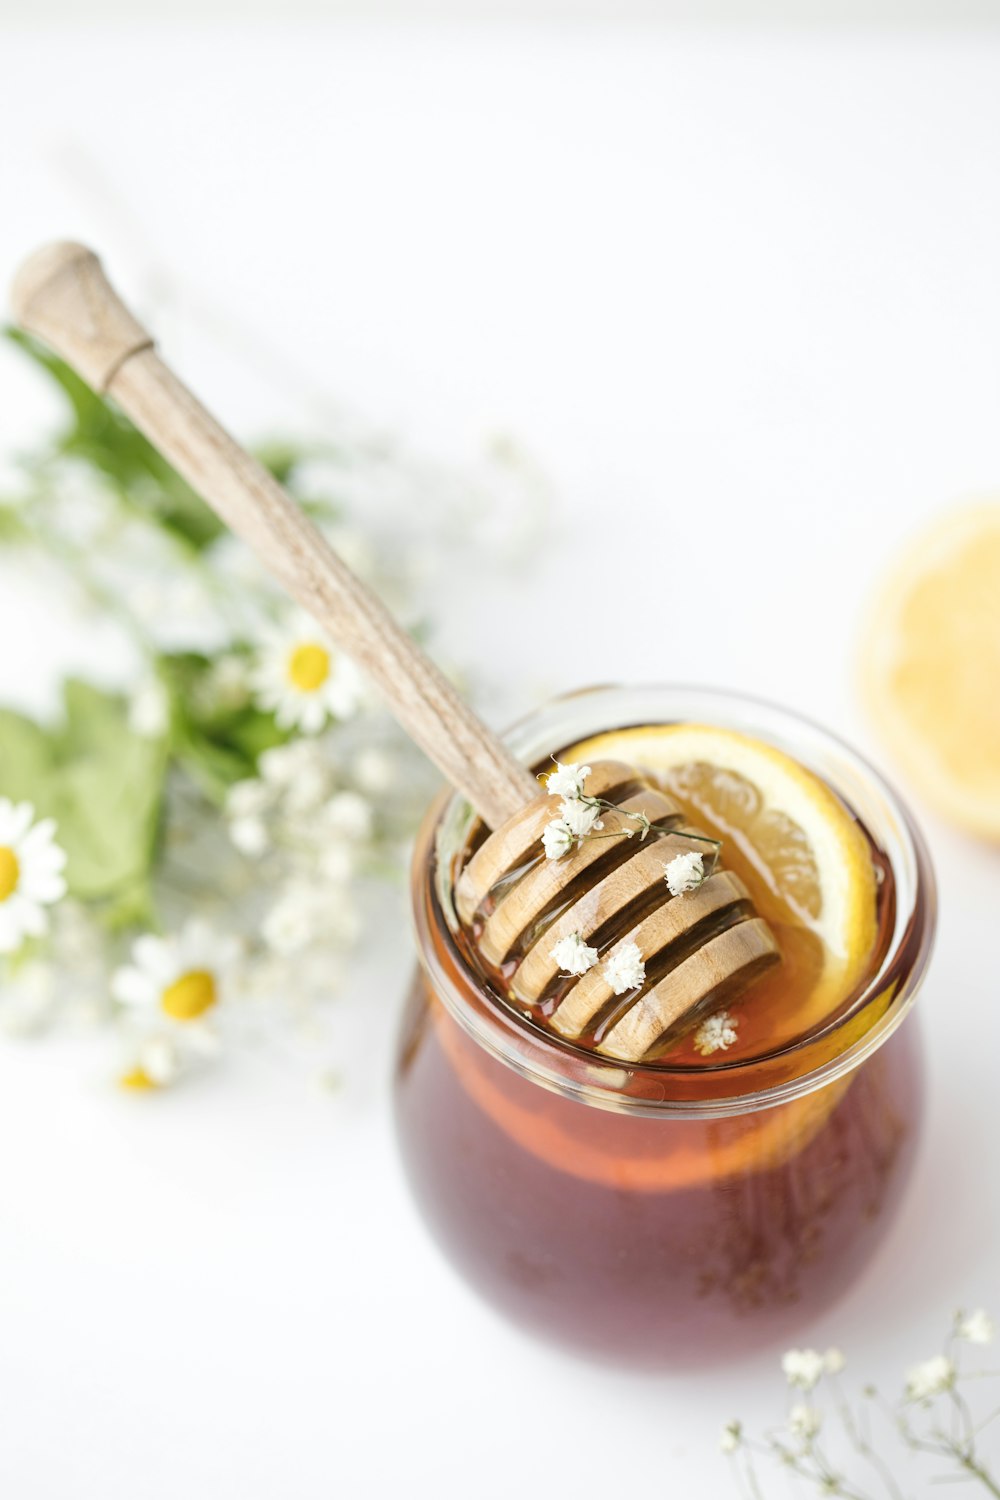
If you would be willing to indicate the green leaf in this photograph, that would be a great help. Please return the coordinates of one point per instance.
(216, 745)
(101, 435)
(26, 759)
(102, 783)
(12, 528)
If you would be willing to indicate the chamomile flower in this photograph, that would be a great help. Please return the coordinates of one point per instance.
(573, 955)
(303, 678)
(567, 781)
(31, 865)
(181, 979)
(625, 969)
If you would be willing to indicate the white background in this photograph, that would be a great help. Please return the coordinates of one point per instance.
(740, 294)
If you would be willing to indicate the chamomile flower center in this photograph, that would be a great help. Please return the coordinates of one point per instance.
(10, 872)
(308, 667)
(190, 996)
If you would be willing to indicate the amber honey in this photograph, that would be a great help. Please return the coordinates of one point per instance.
(671, 1211)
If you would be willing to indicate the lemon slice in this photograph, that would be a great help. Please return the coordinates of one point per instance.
(931, 666)
(802, 853)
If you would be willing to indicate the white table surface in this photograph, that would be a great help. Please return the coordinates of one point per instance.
(725, 287)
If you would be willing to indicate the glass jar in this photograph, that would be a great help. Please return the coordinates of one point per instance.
(659, 1215)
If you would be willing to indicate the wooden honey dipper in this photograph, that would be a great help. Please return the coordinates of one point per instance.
(700, 948)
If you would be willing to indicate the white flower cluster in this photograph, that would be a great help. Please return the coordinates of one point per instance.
(685, 872)
(579, 816)
(255, 908)
(914, 1418)
(716, 1033)
(624, 968)
(804, 1368)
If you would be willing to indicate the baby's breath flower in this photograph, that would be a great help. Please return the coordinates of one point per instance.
(572, 954)
(149, 710)
(834, 1361)
(804, 1421)
(375, 770)
(685, 872)
(348, 815)
(802, 1368)
(930, 1378)
(567, 781)
(291, 923)
(580, 818)
(227, 684)
(281, 764)
(625, 969)
(975, 1327)
(557, 839)
(246, 799)
(732, 1437)
(337, 862)
(715, 1033)
(250, 836)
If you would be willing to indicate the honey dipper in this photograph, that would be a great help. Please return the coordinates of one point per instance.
(699, 948)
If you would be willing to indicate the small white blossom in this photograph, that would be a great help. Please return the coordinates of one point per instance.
(283, 764)
(804, 1421)
(567, 781)
(732, 1437)
(685, 872)
(227, 684)
(149, 710)
(834, 1361)
(715, 1033)
(625, 969)
(975, 1327)
(247, 799)
(28, 998)
(250, 836)
(375, 770)
(572, 954)
(580, 818)
(930, 1378)
(298, 773)
(557, 839)
(802, 1368)
(308, 912)
(309, 789)
(349, 816)
(31, 865)
(337, 862)
(291, 923)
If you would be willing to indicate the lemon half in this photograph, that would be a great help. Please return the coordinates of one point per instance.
(931, 666)
(810, 859)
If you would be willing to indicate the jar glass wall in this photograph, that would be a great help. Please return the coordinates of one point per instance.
(642, 1212)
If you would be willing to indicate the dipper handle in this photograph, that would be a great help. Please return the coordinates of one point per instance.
(62, 295)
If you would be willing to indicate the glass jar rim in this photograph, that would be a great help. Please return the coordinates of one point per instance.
(656, 1088)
